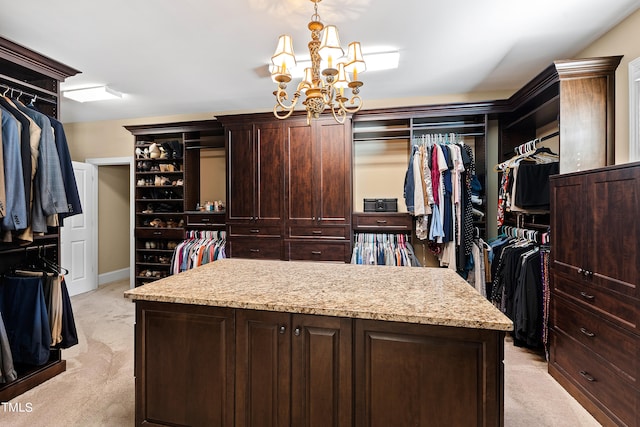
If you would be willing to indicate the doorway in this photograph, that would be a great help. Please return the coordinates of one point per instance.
(110, 245)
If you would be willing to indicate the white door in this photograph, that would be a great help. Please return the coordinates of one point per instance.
(78, 235)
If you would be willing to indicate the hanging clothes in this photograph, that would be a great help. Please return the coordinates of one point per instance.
(200, 247)
(524, 183)
(438, 193)
(26, 320)
(38, 183)
(383, 249)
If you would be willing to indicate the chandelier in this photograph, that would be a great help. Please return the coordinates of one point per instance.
(320, 92)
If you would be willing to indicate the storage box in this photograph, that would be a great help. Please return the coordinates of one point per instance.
(381, 205)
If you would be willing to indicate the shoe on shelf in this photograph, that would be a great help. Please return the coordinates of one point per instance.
(158, 223)
(141, 183)
(148, 210)
(178, 182)
(154, 151)
(139, 153)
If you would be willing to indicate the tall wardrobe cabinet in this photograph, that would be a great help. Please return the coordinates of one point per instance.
(289, 187)
(595, 302)
(255, 187)
(318, 190)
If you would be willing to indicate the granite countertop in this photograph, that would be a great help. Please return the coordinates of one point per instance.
(433, 296)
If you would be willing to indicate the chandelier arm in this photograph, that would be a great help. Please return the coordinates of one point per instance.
(355, 100)
(281, 95)
(340, 116)
(282, 117)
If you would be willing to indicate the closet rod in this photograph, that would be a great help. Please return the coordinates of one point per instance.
(26, 249)
(551, 135)
(5, 87)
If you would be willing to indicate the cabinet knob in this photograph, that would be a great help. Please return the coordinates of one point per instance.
(587, 332)
(586, 376)
(282, 329)
(296, 331)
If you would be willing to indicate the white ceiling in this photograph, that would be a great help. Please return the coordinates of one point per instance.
(195, 56)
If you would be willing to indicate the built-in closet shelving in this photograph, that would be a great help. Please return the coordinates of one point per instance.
(394, 131)
(568, 107)
(168, 191)
(29, 75)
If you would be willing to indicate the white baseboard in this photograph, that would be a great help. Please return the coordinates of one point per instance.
(113, 276)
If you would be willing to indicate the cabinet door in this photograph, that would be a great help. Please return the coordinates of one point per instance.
(270, 172)
(300, 174)
(333, 172)
(184, 365)
(263, 369)
(568, 223)
(241, 167)
(614, 246)
(321, 387)
(421, 375)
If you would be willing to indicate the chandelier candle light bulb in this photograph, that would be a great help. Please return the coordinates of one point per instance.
(320, 87)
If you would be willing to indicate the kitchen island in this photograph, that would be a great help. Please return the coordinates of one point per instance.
(248, 342)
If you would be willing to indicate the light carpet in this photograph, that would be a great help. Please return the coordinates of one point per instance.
(97, 388)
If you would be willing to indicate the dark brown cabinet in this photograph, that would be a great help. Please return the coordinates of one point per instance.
(288, 188)
(184, 365)
(201, 365)
(422, 375)
(595, 304)
(318, 189)
(292, 370)
(255, 187)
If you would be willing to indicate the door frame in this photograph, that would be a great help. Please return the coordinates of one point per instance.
(116, 161)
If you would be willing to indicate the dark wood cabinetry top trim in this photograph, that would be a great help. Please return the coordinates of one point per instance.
(563, 69)
(20, 55)
(176, 127)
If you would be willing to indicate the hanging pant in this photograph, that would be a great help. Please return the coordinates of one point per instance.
(26, 320)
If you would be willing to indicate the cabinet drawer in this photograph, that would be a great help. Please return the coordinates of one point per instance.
(319, 232)
(614, 344)
(205, 219)
(318, 251)
(259, 248)
(382, 222)
(584, 369)
(254, 230)
(160, 233)
(617, 308)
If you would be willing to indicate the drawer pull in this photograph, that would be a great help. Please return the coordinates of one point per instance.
(381, 221)
(254, 250)
(587, 296)
(316, 232)
(586, 376)
(157, 233)
(254, 230)
(587, 332)
(316, 252)
(205, 219)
